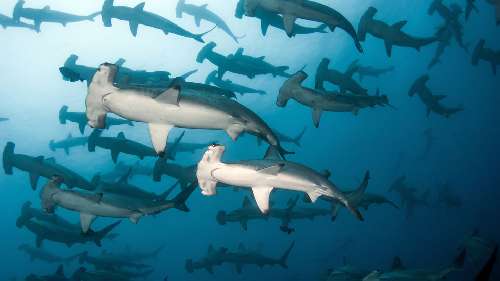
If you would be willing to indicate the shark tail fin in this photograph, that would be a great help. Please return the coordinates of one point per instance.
(199, 37)
(205, 51)
(158, 169)
(62, 114)
(321, 28)
(478, 50)
(356, 195)
(418, 85)
(280, 70)
(298, 138)
(91, 142)
(25, 215)
(181, 198)
(16, 13)
(179, 9)
(8, 152)
(364, 22)
(101, 234)
(284, 257)
(92, 16)
(485, 272)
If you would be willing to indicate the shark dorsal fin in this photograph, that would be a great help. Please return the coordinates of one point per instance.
(239, 52)
(261, 58)
(326, 173)
(46, 7)
(69, 136)
(272, 154)
(399, 24)
(140, 6)
(271, 170)
(60, 270)
(170, 96)
(246, 202)
(204, 6)
(397, 264)
(121, 135)
(51, 160)
(242, 248)
(120, 62)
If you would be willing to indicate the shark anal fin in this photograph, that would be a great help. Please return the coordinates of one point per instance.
(289, 23)
(313, 195)
(34, 180)
(261, 195)
(388, 47)
(114, 155)
(159, 136)
(316, 115)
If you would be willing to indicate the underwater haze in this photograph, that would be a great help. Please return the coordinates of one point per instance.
(429, 151)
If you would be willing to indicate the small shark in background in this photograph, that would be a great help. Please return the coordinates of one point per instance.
(486, 54)
(38, 16)
(288, 139)
(477, 247)
(44, 255)
(370, 71)
(3, 119)
(242, 256)
(408, 197)
(203, 13)
(431, 102)
(343, 80)
(81, 119)
(107, 261)
(243, 215)
(239, 63)
(122, 168)
(184, 147)
(7, 22)
(471, 6)
(67, 143)
(399, 272)
(137, 16)
(275, 20)
(448, 198)
(391, 34)
(229, 85)
(57, 276)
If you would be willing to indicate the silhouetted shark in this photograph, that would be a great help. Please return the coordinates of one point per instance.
(486, 54)
(80, 119)
(343, 80)
(67, 143)
(7, 22)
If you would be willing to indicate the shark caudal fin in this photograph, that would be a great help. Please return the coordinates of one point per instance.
(179, 9)
(107, 8)
(296, 140)
(181, 198)
(199, 37)
(221, 217)
(287, 89)
(478, 50)
(62, 114)
(320, 70)
(356, 197)
(418, 85)
(284, 257)
(25, 214)
(101, 234)
(205, 51)
(91, 142)
(8, 153)
(364, 22)
(17, 12)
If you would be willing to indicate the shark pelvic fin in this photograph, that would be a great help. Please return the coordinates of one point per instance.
(289, 23)
(85, 221)
(261, 195)
(159, 136)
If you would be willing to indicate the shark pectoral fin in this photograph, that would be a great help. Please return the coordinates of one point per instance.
(85, 221)
(388, 47)
(114, 155)
(134, 218)
(271, 170)
(316, 115)
(234, 131)
(289, 23)
(313, 195)
(34, 180)
(134, 25)
(208, 187)
(170, 96)
(197, 21)
(37, 23)
(159, 136)
(264, 25)
(81, 127)
(261, 195)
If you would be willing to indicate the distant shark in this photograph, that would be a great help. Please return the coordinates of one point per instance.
(40, 166)
(67, 143)
(431, 102)
(370, 71)
(408, 196)
(229, 85)
(275, 20)
(136, 16)
(486, 54)
(7, 22)
(391, 34)
(47, 15)
(80, 119)
(239, 63)
(304, 9)
(44, 255)
(343, 80)
(2, 119)
(203, 13)
(185, 175)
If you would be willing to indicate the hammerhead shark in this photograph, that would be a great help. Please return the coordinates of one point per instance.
(486, 54)
(47, 15)
(122, 168)
(119, 144)
(183, 174)
(320, 101)
(179, 146)
(470, 6)
(343, 80)
(67, 143)
(80, 119)
(431, 102)
(44, 255)
(242, 256)
(57, 276)
(170, 109)
(107, 261)
(92, 205)
(303, 9)
(239, 63)
(229, 85)
(202, 12)
(391, 34)
(3, 119)
(136, 16)
(7, 22)
(243, 215)
(370, 71)
(40, 166)
(275, 20)
(409, 199)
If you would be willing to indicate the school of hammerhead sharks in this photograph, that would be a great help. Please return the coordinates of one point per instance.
(163, 103)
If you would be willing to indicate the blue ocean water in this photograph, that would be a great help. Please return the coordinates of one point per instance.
(388, 142)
